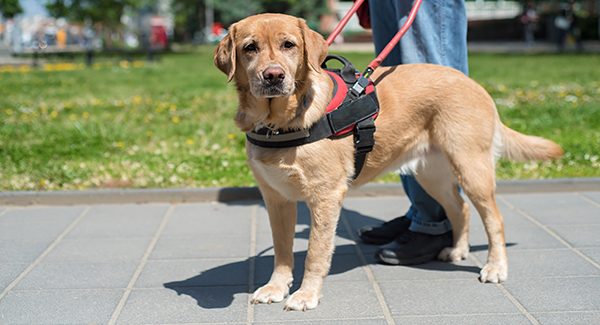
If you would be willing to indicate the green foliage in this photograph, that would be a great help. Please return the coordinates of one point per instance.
(108, 12)
(170, 124)
(230, 11)
(10, 8)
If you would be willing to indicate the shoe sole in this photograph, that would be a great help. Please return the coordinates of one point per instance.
(412, 261)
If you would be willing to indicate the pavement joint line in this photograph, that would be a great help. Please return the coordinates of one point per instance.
(587, 198)
(508, 295)
(3, 212)
(551, 233)
(378, 292)
(47, 251)
(589, 311)
(252, 264)
(313, 320)
(456, 315)
(121, 304)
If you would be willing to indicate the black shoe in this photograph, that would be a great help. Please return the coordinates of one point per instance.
(413, 248)
(385, 233)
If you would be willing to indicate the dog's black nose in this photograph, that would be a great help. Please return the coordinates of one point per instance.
(274, 75)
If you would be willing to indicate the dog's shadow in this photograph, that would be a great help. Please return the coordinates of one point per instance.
(221, 296)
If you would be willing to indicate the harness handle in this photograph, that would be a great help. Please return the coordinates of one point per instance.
(348, 71)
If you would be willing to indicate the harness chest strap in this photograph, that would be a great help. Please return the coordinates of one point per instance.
(355, 117)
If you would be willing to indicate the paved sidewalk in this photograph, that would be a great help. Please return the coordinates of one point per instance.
(196, 263)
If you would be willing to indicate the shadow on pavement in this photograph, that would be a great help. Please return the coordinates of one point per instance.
(217, 287)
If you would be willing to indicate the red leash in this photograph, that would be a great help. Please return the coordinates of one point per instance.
(388, 48)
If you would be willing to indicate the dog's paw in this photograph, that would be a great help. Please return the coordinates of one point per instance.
(302, 300)
(269, 293)
(494, 273)
(453, 254)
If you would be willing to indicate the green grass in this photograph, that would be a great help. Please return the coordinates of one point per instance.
(170, 124)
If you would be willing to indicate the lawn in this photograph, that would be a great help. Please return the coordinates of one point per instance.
(169, 124)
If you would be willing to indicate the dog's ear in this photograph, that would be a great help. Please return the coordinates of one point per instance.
(225, 54)
(315, 47)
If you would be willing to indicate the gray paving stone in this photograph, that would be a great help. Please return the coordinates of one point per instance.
(373, 211)
(204, 246)
(444, 297)
(571, 318)
(39, 231)
(39, 224)
(120, 221)
(264, 242)
(193, 273)
(489, 319)
(593, 253)
(21, 250)
(35, 214)
(188, 305)
(209, 218)
(302, 221)
(557, 208)
(9, 272)
(58, 306)
(99, 250)
(512, 219)
(78, 276)
(545, 263)
(339, 302)
(531, 237)
(343, 268)
(353, 321)
(556, 294)
(433, 270)
(593, 195)
(580, 236)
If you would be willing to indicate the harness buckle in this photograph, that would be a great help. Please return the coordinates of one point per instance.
(359, 87)
(364, 139)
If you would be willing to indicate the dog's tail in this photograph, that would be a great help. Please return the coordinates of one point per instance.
(522, 147)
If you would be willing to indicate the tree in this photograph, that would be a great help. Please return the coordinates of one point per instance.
(108, 12)
(10, 8)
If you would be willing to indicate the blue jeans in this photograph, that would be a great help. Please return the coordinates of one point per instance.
(439, 36)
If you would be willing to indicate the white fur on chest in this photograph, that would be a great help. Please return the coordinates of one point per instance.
(284, 179)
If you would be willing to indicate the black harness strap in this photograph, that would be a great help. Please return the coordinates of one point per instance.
(358, 112)
(355, 111)
(363, 143)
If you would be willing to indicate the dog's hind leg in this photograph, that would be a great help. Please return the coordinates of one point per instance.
(438, 179)
(282, 217)
(478, 181)
(325, 212)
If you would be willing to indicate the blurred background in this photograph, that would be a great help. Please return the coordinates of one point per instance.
(123, 93)
(76, 25)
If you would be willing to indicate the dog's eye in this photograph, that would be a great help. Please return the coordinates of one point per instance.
(288, 44)
(250, 48)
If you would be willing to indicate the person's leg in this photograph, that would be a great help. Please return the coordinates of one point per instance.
(384, 23)
(438, 36)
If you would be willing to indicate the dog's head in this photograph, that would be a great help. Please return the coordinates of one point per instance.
(269, 53)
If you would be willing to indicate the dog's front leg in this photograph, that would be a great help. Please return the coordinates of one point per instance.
(324, 217)
(282, 216)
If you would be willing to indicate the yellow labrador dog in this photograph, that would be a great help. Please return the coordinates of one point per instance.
(434, 122)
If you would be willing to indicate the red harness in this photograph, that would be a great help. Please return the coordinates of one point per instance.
(340, 93)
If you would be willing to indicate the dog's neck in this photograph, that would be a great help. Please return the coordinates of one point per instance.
(298, 111)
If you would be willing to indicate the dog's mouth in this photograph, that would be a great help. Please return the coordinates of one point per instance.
(266, 89)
